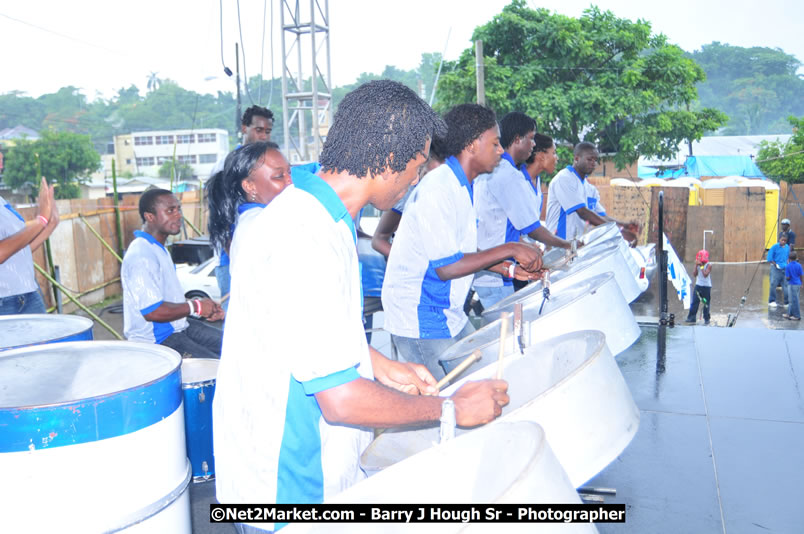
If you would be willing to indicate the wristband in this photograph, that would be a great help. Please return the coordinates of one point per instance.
(192, 310)
(198, 307)
(195, 308)
(511, 270)
(42, 219)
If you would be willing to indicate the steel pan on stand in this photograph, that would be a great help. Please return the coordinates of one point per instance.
(593, 304)
(92, 439)
(18, 331)
(570, 385)
(500, 463)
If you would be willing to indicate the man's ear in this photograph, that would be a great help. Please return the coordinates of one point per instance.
(149, 217)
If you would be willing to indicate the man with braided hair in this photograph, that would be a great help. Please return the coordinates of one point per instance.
(435, 253)
(291, 409)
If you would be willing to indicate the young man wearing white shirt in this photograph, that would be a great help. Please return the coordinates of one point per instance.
(435, 253)
(298, 386)
(508, 205)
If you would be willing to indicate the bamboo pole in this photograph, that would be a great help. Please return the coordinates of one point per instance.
(77, 303)
(191, 224)
(117, 212)
(103, 211)
(103, 241)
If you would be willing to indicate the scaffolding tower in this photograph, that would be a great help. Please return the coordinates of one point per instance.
(306, 93)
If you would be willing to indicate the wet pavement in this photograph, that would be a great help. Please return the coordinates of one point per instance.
(719, 447)
(729, 284)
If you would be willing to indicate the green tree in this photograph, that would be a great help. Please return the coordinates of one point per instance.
(784, 161)
(183, 170)
(64, 158)
(597, 78)
(757, 87)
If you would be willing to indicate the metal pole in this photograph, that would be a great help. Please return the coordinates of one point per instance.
(662, 264)
(285, 110)
(480, 73)
(316, 137)
(305, 155)
(103, 241)
(77, 303)
(117, 212)
(57, 276)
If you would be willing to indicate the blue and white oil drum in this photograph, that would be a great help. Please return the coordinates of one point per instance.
(18, 331)
(198, 376)
(92, 439)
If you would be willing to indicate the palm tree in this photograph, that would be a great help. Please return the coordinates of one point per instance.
(153, 81)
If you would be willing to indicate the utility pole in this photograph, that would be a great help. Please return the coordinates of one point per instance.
(480, 70)
(238, 114)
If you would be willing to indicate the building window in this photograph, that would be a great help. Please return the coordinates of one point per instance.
(128, 161)
(164, 139)
(206, 138)
(145, 162)
(185, 139)
(187, 159)
(207, 158)
(161, 159)
(144, 140)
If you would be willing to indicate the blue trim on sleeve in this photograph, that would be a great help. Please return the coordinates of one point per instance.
(434, 299)
(532, 227)
(162, 331)
(338, 378)
(601, 213)
(148, 237)
(437, 264)
(396, 211)
(12, 210)
(573, 209)
(561, 229)
(152, 307)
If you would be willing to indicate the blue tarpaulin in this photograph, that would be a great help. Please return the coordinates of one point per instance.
(698, 166)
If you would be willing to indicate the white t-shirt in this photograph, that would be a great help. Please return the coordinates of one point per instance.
(438, 227)
(149, 278)
(593, 199)
(565, 195)
(507, 207)
(17, 272)
(294, 328)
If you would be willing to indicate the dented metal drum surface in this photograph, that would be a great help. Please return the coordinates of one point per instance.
(570, 385)
(18, 331)
(593, 304)
(499, 463)
(93, 431)
(600, 233)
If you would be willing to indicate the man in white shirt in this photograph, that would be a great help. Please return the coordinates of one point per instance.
(435, 252)
(508, 205)
(298, 386)
(154, 308)
(569, 196)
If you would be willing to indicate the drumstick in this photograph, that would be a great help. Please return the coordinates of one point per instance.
(503, 333)
(226, 296)
(475, 356)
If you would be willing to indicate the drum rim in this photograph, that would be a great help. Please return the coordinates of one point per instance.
(87, 345)
(38, 316)
(200, 383)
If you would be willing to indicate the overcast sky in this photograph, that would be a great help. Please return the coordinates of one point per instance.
(103, 45)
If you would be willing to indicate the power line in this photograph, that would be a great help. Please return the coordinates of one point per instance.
(75, 39)
(245, 73)
(262, 53)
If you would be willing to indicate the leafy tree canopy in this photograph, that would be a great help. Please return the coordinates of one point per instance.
(597, 78)
(781, 161)
(64, 158)
(757, 87)
(183, 171)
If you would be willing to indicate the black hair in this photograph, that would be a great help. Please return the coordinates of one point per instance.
(382, 125)
(437, 149)
(225, 191)
(513, 125)
(792, 255)
(149, 199)
(465, 123)
(583, 146)
(542, 144)
(258, 111)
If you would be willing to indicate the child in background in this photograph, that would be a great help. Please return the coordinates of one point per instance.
(703, 287)
(793, 275)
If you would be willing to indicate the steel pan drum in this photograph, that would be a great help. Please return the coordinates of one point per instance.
(570, 385)
(500, 463)
(593, 304)
(198, 377)
(94, 433)
(601, 232)
(17, 331)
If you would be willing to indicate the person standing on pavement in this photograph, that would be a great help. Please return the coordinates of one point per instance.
(19, 292)
(154, 307)
(791, 235)
(793, 275)
(777, 257)
(702, 292)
